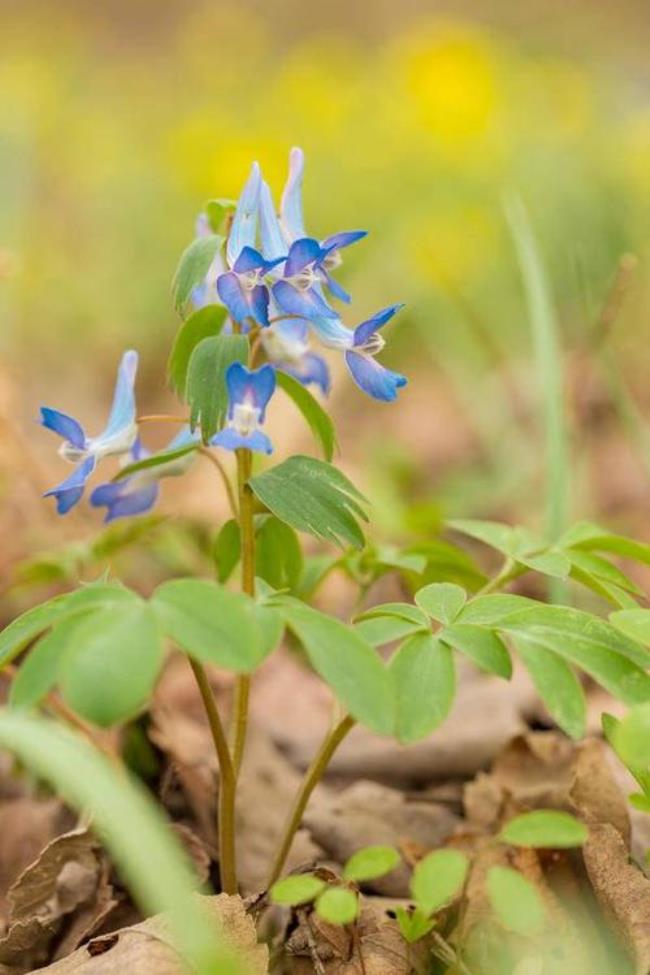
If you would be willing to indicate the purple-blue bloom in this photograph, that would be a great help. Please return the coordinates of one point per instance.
(117, 438)
(249, 392)
(286, 344)
(368, 374)
(206, 292)
(138, 493)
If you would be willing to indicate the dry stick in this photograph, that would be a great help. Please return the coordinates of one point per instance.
(226, 830)
(309, 783)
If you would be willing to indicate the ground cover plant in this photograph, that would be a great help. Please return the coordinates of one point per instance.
(258, 297)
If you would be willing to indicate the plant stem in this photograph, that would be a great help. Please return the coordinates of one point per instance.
(312, 778)
(247, 531)
(508, 571)
(227, 782)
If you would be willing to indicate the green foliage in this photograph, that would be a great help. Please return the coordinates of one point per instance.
(317, 419)
(545, 828)
(193, 266)
(517, 544)
(441, 600)
(446, 563)
(200, 325)
(278, 556)
(631, 738)
(164, 458)
(425, 682)
(371, 862)
(413, 925)
(380, 630)
(149, 859)
(481, 645)
(635, 623)
(297, 889)
(218, 211)
(337, 905)
(314, 497)
(437, 879)
(515, 901)
(346, 662)
(227, 549)
(206, 391)
(212, 624)
(557, 685)
(111, 663)
(39, 672)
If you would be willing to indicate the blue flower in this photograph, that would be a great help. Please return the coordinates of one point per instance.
(368, 374)
(138, 493)
(86, 452)
(242, 288)
(286, 344)
(326, 256)
(249, 392)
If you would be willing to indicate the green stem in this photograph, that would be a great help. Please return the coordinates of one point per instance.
(247, 531)
(312, 777)
(227, 783)
(508, 571)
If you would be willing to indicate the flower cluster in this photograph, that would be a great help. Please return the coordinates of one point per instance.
(273, 280)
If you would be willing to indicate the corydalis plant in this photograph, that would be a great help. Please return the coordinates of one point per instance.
(256, 295)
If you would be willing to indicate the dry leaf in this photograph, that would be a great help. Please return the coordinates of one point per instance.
(146, 948)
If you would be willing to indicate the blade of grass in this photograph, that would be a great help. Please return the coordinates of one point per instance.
(548, 358)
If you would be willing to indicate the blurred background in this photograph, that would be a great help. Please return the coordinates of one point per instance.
(119, 120)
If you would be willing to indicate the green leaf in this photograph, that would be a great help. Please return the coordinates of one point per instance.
(202, 324)
(545, 828)
(312, 497)
(206, 390)
(346, 662)
(218, 211)
(193, 266)
(380, 630)
(278, 554)
(608, 656)
(515, 901)
(447, 563)
(371, 862)
(442, 601)
(210, 623)
(227, 550)
(317, 419)
(413, 925)
(492, 533)
(39, 672)
(585, 535)
(518, 544)
(175, 461)
(493, 609)
(599, 568)
(337, 905)
(296, 889)
(557, 685)
(425, 683)
(634, 623)
(481, 645)
(15, 637)
(400, 611)
(110, 670)
(631, 738)
(142, 846)
(437, 879)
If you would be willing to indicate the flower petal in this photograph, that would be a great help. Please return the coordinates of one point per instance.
(245, 385)
(291, 218)
(363, 332)
(304, 304)
(231, 440)
(244, 224)
(302, 252)
(312, 368)
(66, 426)
(332, 332)
(124, 502)
(335, 287)
(242, 303)
(273, 243)
(122, 415)
(373, 378)
(68, 493)
(343, 239)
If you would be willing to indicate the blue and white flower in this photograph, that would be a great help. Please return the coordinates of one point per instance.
(242, 289)
(137, 494)
(249, 392)
(286, 344)
(86, 452)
